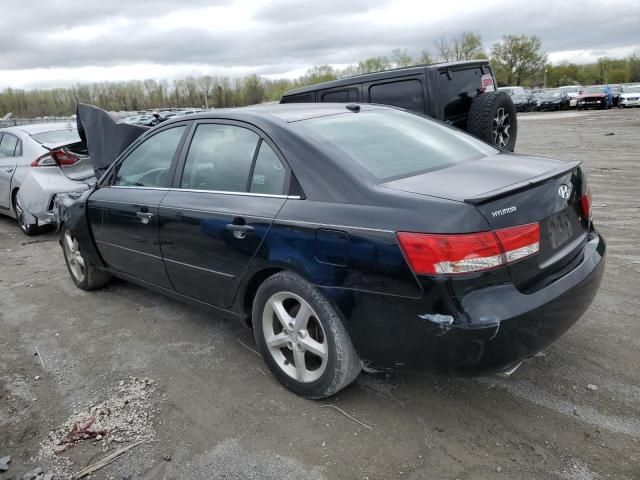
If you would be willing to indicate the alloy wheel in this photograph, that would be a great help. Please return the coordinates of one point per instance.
(74, 257)
(295, 337)
(501, 126)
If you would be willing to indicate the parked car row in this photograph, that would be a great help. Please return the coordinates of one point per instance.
(154, 117)
(574, 96)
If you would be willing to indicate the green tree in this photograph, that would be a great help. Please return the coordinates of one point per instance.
(466, 46)
(253, 90)
(401, 58)
(517, 59)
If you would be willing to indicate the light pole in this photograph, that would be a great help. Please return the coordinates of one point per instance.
(545, 77)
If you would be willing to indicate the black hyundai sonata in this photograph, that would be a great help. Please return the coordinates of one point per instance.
(348, 237)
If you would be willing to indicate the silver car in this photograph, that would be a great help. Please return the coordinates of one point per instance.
(37, 162)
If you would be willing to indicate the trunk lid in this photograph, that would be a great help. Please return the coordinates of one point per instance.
(510, 190)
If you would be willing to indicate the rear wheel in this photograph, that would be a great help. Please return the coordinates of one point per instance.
(302, 338)
(22, 220)
(492, 118)
(85, 275)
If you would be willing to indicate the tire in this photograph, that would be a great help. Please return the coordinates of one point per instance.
(29, 229)
(84, 274)
(321, 329)
(492, 118)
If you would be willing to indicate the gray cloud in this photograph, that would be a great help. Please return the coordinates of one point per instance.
(290, 34)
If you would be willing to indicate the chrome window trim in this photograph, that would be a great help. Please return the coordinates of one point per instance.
(218, 192)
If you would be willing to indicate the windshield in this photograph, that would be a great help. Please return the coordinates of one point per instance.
(57, 136)
(553, 94)
(570, 89)
(633, 89)
(391, 144)
(594, 90)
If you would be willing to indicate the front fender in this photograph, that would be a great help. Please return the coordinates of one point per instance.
(71, 213)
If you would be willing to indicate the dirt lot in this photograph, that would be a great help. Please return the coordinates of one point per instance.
(211, 410)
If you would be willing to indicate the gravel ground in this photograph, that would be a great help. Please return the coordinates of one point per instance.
(213, 410)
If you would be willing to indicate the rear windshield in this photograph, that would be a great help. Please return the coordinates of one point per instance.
(392, 144)
(57, 136)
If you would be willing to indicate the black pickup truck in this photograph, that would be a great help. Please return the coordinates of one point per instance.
(460, 93)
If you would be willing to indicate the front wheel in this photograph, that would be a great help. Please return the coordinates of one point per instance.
(302, 338)
(84, 274)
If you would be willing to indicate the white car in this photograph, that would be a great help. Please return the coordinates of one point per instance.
(630, 97)
(37, 162)
(573, 91)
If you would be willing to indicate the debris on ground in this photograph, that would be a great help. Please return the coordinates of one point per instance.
(37, 474)
(4, 463)
(592, 387)
(105, 461)
(125, 416)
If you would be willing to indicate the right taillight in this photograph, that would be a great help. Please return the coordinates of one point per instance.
(472, 252)
(585, 199)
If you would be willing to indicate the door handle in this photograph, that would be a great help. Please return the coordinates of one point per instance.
(144, 217)
(8, 170)
(239, 231)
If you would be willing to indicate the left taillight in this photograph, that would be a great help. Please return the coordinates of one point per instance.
(430, 254)
(58, 157)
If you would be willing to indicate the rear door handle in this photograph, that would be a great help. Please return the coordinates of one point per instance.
(144, 217)
(239, 231)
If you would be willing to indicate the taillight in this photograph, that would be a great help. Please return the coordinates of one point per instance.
(464, 253)
(585, 199)
(64, 157)
(55, 158)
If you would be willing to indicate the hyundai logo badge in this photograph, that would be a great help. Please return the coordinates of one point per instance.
(564, 191)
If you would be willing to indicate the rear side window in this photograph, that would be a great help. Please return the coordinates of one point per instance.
(268, 173)
(338, 96)
(219, 158)
(459, 91)
(406, 94)
(149, 163)
(8, 145)
(303, 98)
(391, 144)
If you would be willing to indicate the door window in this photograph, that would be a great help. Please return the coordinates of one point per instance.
(8, 145)
(149, 164)
(347, 95)
(458, 89)
(406, 94)
(269, 173)
(219, 158)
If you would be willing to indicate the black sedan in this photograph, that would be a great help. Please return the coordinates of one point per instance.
(556, 99)
(348, 237)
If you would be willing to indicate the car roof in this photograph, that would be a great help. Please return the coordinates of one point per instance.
(35, 128)
(286, 112)
(396, 72)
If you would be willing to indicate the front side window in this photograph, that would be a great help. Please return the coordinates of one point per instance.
(149, 164)
(8, 145)
(219, 158)
(268, 173)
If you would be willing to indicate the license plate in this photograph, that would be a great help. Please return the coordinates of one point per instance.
(559, 229)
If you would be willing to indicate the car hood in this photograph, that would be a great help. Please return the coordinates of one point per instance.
(104, 135)
(483, 178)
(630, 95)
(598, 95)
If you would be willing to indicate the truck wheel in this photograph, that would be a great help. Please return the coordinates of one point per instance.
(302, 338)
(492, 118)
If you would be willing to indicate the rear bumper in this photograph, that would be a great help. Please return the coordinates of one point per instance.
(487, 330)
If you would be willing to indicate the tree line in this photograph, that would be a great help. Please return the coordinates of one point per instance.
(516, 60)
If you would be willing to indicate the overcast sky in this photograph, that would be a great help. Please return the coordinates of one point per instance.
(48, 43)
